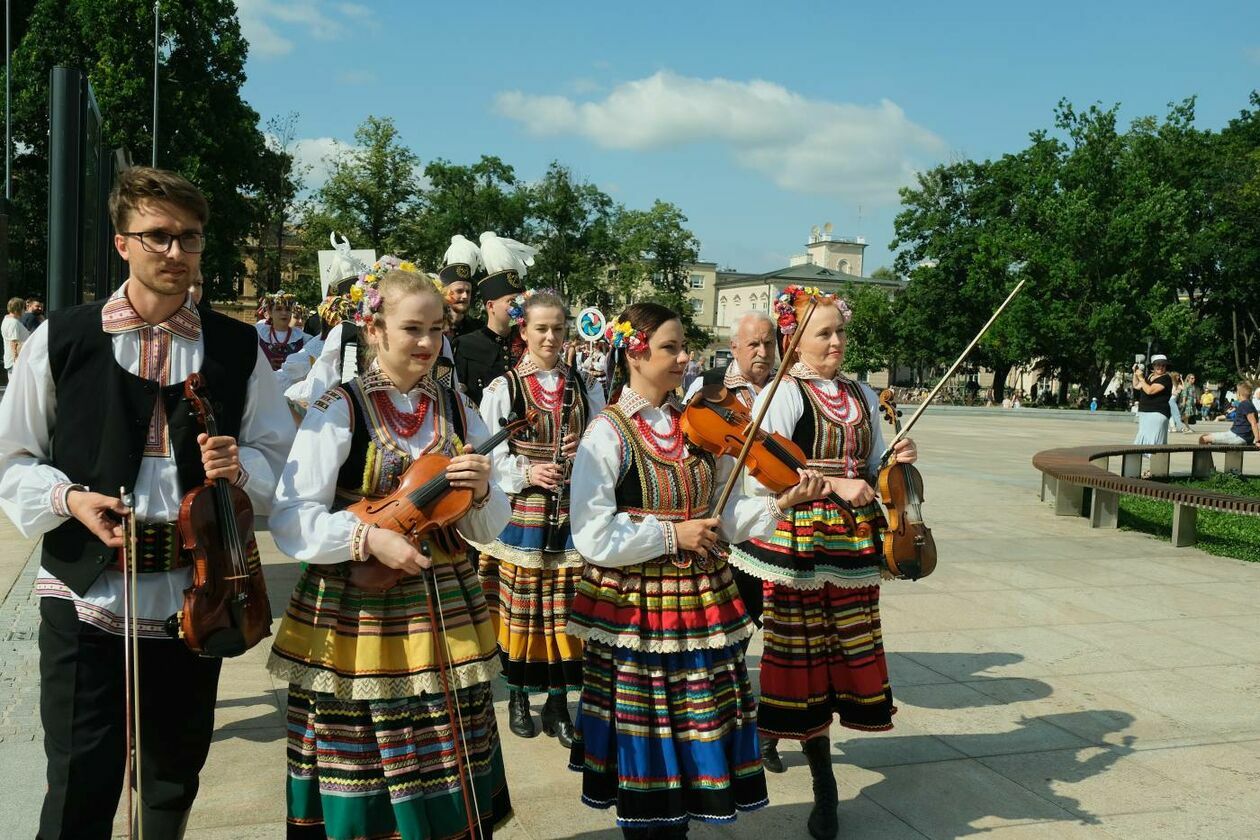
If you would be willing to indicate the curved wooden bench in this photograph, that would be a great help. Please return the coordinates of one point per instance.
(1068, 474)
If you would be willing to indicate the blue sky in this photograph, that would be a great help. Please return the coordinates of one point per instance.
(757, 119)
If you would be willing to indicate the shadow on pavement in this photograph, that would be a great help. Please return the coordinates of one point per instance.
(263, 728)
(967, 668)
(945, 799)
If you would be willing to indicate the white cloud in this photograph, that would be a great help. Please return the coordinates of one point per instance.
(317, 153)
(262, 20)
(803, 145)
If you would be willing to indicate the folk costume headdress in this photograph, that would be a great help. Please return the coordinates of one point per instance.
(461, 263)
(365, 295)
(266, 303)
(516, 309)
(506, 262)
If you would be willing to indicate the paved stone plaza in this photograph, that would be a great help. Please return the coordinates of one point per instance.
(1053, 681)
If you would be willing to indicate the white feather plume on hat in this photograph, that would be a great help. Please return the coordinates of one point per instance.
(499, 253)
(462, 250)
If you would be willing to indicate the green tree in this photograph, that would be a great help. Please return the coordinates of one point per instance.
(370, 193)
(275, 200)
(207, 131)
(467, 200)
(655, 250)
(873, 330)
(572, 224)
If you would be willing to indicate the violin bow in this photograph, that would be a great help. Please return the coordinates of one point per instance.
(905, 430)
(750, 436)
(131, 668)
(437, 620)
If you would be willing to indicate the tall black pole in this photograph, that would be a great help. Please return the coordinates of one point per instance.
(65, 186)
(8, 107)
(157, 40)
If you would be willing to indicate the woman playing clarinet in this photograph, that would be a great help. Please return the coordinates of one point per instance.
(666, 727)
(531, 571)
(374, 748)
(824, 652)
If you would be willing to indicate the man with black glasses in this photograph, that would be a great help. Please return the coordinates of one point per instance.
(96, 404)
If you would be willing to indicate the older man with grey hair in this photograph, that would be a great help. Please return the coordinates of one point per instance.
(753, 351)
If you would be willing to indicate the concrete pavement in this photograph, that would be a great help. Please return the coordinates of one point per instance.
(1052, 680)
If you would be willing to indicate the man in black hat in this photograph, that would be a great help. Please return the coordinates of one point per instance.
(484, 354)
(461, 268)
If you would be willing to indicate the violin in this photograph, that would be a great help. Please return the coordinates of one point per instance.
(909, 550)
(717, 422)
(226, 611)
(423, 502)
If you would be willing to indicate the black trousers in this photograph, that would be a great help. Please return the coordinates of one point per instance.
(81, 702)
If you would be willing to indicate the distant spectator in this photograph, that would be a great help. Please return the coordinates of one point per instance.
(1174, 409)
(1244, 430)
(13, 333)
(1190, 400)
(34, 314)
(1153, 405)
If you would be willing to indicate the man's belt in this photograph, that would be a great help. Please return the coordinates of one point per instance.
(157, 548)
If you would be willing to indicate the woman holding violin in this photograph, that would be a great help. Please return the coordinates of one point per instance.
(530, 572)
(666, 728)
(391, 726)
(823, 652)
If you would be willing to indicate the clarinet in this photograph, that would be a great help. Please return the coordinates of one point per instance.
(555, 539)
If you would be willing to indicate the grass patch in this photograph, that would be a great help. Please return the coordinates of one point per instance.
(1219, 533)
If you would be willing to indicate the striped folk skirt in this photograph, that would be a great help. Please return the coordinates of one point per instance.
(340, 640)
(388, 768)
(668, 737)
(815, 547)
(530, 614)
(824, 656)
(667, 722)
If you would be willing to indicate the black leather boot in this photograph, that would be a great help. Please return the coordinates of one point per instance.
(519, 721)
(556, 721)
(823, 822)
(161, 825)
(770, 755)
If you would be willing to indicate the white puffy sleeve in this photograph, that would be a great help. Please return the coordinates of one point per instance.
(325, 372)
(510, 471)
(266, 435)
(483, 523)
(601, 534)
(27, 417)
(877, 433)
(302, 521)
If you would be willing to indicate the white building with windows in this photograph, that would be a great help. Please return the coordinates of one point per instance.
(829, 262)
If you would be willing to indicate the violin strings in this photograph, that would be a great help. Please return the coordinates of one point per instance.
(459, 714)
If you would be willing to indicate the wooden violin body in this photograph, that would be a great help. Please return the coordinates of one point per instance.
(226, 611)
(423, 502)
(909, 550)
(397, 512)
(221, 616)
(718, 423)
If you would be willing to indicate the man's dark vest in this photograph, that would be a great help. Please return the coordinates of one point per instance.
(349, 338)
(103, 415)
(480, 358)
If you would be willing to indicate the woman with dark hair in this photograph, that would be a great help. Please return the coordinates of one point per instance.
(530, 588)
(666, 727)
(824, 653)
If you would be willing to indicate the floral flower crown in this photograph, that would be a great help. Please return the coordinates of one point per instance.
(516, 309)
(365, 296)
(786, 301)
(623, 335)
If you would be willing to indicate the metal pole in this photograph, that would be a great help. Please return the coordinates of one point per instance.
(8, 108)
(157, 40)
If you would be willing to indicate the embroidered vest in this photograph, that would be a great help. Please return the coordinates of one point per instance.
(376, 462)
(836, 437)
(673, 491)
